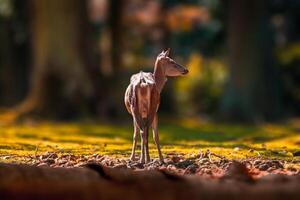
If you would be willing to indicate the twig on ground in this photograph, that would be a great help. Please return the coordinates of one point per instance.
(36, 148)
(218, 156)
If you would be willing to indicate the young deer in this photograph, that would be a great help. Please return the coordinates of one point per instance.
(142, 99)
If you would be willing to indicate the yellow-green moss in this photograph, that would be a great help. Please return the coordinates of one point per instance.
(183, 137)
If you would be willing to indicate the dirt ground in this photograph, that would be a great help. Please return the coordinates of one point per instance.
(205, 164)
(90, 161)
(197, 178)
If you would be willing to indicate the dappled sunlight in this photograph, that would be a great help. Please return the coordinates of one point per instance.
(184, 137)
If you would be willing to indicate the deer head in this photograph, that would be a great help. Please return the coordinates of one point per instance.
(168, 66)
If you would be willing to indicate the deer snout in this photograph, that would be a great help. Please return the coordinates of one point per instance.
(181, 69)
(185, 71)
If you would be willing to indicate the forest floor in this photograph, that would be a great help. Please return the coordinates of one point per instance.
(189, 146)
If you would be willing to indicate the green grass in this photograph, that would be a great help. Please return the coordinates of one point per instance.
(183, 137)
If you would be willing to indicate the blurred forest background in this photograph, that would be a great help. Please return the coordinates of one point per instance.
(72, 59)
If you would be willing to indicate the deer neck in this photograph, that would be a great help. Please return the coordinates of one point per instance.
(159, 76)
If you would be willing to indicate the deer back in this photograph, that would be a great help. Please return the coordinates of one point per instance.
(142, 98)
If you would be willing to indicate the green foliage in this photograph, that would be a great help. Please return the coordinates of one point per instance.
(202, 89)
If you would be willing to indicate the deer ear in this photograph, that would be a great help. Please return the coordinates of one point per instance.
(167, 52)
(162, 54)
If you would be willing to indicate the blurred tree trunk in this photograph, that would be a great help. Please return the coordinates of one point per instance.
(168, 104)
(13, 54)
(113, 56)
(252, 91)
(6, 61)
(115, 23)
(63, 80)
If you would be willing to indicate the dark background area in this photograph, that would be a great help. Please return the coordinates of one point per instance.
(72, 59)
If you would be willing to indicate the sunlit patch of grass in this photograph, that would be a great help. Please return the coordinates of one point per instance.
(182, 136)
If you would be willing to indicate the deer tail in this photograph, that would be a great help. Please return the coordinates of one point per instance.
(141, 77)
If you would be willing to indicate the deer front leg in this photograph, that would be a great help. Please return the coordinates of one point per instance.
(146, 133)
(135, 138)
(156, 137)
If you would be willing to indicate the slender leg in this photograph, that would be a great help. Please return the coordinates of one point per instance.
(146, 133)
(142, 158)
(156, 137)
(135, 138)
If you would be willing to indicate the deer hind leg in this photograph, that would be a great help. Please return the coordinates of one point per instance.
(142, 158)
(135, 138)
(145, 157)
(156, 137)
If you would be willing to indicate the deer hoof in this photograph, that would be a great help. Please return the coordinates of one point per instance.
(142, 161)
(148, 160)
(161, 160)
(132, 158)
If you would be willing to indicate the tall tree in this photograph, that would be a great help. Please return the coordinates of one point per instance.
(63, 78)
(13, 52)
(115, 24)
(253, 87)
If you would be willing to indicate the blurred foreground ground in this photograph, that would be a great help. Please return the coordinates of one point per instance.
(265, 148)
